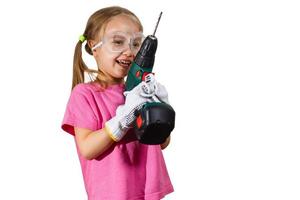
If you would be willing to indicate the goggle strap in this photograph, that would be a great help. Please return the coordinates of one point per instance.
(97, 45)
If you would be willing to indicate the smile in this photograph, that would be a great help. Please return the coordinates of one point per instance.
(124, 63)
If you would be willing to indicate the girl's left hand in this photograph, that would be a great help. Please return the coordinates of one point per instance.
(153, 90)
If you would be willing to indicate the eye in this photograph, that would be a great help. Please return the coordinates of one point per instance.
(118, 42)
(136, 44)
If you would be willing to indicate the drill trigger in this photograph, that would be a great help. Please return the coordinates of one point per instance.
(145, 74)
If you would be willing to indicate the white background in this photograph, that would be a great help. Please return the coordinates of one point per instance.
(232, 72)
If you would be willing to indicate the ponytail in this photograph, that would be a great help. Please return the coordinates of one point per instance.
(79, 67)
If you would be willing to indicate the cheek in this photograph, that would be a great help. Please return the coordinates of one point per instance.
(105, 59)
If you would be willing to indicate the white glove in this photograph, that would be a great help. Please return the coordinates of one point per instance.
(153, 90)
(147, 91)
(125, 114)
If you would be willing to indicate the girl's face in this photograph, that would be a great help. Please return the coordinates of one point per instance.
(115, 65)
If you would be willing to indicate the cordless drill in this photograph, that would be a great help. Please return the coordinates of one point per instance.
(155, 120)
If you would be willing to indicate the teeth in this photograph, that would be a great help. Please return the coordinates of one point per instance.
(125, 62)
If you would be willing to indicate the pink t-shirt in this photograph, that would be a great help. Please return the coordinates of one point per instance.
(128, 170)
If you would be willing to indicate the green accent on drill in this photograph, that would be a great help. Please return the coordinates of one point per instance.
(132, 80)
(151, 104)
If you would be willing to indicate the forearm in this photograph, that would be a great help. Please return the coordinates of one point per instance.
(92, 144)
(166, 143)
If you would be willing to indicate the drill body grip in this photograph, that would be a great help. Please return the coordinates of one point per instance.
(135, 76)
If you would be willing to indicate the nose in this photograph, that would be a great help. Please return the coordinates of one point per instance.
(128, 52)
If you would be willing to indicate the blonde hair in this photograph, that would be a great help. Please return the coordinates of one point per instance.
(96, 23)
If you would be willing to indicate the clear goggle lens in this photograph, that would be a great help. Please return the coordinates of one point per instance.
(118, 42)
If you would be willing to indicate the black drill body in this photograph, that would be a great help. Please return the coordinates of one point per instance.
(155, 120)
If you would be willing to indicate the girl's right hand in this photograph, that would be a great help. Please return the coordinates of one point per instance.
(125, 114)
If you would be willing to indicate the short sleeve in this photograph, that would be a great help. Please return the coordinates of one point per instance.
(79, 112)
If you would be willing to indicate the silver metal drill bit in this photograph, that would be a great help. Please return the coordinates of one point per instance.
(157, 23)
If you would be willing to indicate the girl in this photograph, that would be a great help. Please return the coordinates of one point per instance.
(114, 164)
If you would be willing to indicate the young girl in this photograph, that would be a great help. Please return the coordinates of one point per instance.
(114, 164)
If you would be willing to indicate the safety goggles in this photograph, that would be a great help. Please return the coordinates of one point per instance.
(118, 42)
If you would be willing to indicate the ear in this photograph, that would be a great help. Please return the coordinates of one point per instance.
(91, 44)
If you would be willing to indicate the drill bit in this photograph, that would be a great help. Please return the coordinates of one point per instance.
(157, 23)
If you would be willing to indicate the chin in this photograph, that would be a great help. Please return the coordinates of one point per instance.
(122, 74)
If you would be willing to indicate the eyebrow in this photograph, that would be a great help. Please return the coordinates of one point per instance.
(121, 31)
(118, 36)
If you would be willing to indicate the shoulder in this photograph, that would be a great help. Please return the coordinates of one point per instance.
(83, 96)
(82, 88)
(94, 92)
(86, 89)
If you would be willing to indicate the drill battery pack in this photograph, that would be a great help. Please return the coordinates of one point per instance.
(154, 123)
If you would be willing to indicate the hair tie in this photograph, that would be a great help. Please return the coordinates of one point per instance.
(82, 38)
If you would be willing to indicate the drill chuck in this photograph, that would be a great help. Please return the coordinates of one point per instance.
(146, 56)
